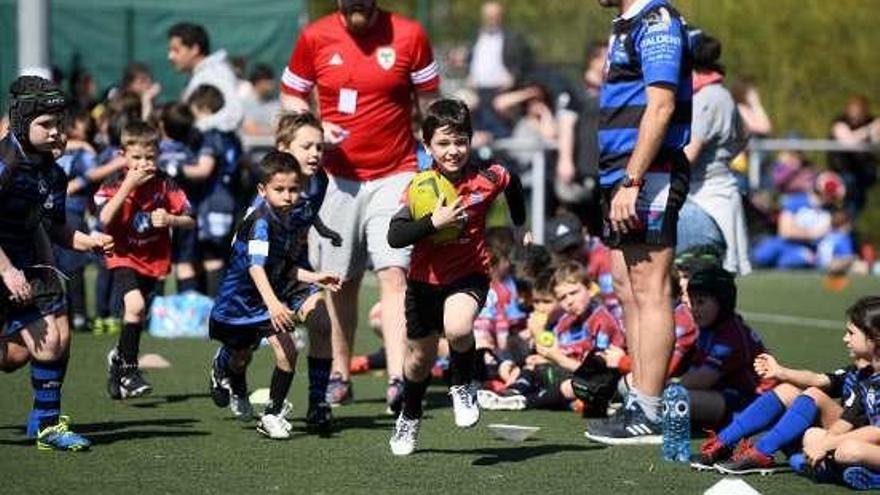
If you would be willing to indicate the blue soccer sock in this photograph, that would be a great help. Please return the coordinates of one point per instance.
(758, 416)
(319, 376)
(46, 381)
(791, 426)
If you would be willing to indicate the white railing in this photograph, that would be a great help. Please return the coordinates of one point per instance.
(539, 174)
(757, 146)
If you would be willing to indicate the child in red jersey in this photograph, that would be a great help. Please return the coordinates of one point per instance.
(447, 283)
(585, 328)
(139, 207)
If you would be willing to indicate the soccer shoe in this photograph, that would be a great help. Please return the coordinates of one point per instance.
(748, 460)
(113, 326)
(59, 437)
(220, 387)
(491, 401)
(132, 383)
(394, 396)
(861, 478)
(274, 426)
(319, 417)
(286, 409)
(712, 451)
(339, 391)
(464, 405)
(629, 427)
(241, 407)
(405, 436)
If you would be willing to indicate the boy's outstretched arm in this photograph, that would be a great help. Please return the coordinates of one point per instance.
(281, 316)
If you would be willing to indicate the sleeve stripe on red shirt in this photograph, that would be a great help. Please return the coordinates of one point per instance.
(424, 75)
(296, 82)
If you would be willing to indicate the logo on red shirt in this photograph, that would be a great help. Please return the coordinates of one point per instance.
(386, 57)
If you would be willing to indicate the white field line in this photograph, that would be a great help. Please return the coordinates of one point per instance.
(793, 320)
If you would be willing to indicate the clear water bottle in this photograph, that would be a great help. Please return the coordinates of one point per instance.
(676, 423)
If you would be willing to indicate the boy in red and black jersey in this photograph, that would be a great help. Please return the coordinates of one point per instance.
(447, 282)
(138, 208)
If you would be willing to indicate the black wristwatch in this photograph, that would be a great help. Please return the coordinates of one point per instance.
(630, 181)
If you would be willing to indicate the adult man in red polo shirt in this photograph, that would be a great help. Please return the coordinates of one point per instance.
(369, 67)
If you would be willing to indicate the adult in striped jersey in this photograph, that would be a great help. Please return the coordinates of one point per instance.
(369, 68)
(644, 124)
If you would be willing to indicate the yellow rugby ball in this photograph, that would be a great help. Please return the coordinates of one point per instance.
(424, 191)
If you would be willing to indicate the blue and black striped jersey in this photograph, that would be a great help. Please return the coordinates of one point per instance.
(648, 46)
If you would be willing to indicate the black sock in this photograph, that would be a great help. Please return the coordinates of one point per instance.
(238, 382)
(278, 390)
(212, 282)
(377, 359)
(130, 342)
(187, 284)
(319, 376)
(525, 383)
(413, 394)
(546, 398)
(462, 365)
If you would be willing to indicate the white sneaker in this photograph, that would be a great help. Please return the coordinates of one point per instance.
(491, 401)
(405, 436)
(464, 405)
(241, 407)
(286, 409)
(274, 426)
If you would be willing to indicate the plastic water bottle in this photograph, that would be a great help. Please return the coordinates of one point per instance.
(676, 423)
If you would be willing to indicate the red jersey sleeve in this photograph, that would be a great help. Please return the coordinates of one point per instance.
(104, 193)
(686, 333)
(298, 78)
(178, 204)
(424, 73)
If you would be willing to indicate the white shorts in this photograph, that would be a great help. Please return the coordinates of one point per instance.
(359, 211)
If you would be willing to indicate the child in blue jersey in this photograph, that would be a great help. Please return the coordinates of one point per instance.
(849, 450)
(33, 190)
(267, 288)
(79, 162)
(802, 399)
(175, 156)
(215, 176)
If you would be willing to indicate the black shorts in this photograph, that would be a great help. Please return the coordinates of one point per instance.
(47, 298)
(239, 337)
(424, 303)
(126, 280)
(658, 204)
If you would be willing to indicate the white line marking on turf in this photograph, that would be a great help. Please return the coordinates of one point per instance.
(793, 320)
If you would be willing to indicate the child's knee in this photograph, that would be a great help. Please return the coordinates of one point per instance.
(812, 435)
(849, 452)
(786, 392)
(817, 394)
(134, 306)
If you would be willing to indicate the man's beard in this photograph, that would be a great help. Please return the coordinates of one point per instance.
(357, 19)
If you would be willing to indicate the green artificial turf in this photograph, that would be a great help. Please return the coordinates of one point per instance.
(176, 441)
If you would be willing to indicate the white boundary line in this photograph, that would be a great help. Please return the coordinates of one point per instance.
(793, 320)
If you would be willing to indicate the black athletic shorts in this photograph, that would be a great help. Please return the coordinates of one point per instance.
(47, 298)
(660, 199)
(424, 303)
(239, 337)
(126, 280)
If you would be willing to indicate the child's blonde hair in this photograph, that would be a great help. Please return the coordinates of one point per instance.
(290, 123)
(571, 272)
(139, 133)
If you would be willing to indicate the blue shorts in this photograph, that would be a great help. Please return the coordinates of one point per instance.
(47, 299)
